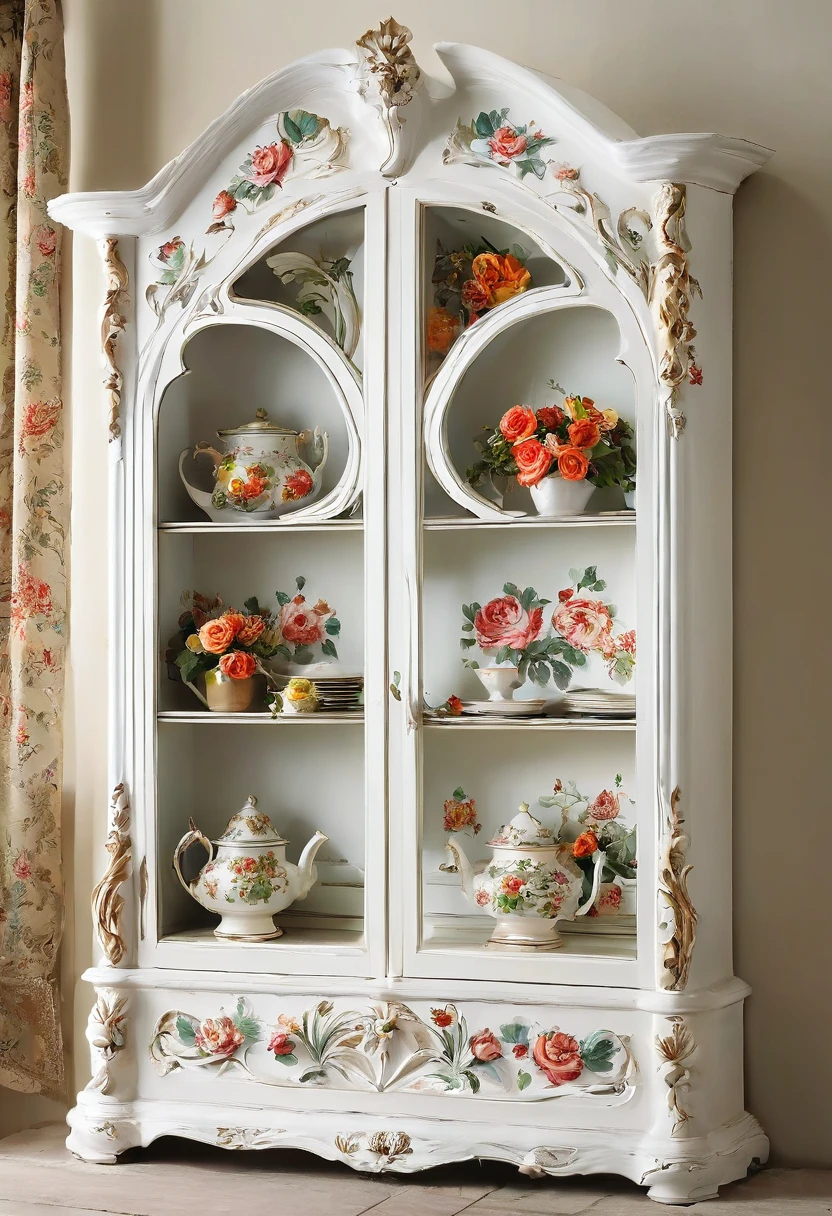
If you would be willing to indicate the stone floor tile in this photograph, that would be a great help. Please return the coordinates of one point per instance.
(17, 1208)
(548, 1197)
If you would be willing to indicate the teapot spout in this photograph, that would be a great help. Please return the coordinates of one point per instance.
(466, 870)
(306, 865)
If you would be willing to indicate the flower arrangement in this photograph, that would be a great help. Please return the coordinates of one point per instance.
(577, 442)
(469, 282)
(597, 828)
(212, 637)
(588, 625)
(304, 626)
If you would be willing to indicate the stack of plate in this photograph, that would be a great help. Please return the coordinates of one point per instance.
(339, 693)
(598, 703)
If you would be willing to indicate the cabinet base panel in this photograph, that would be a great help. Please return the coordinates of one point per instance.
(678, 1172)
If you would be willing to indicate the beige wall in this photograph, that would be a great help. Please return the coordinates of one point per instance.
(146, 76)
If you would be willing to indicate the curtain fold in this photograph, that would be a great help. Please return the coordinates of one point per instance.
(33, 514)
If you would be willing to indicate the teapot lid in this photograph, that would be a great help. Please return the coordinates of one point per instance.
(250, 826)
(262, 425)
(524, 831)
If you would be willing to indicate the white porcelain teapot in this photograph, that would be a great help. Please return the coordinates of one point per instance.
(260, 475)
(248, 879)
(530, 883)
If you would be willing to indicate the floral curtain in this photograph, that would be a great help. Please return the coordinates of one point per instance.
(33, 507)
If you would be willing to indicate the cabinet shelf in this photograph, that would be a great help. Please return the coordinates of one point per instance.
(445, 523)
(472, 722)
(271, 526)
(349, 717)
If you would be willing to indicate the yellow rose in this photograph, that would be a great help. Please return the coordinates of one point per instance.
(194, 645)
(611, 417)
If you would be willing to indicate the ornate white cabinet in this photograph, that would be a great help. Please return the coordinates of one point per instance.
(380, 1029)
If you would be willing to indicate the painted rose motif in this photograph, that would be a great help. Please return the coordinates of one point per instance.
(302, 624)
(506, 144)
(39, 419)
(483, 898)
(585, 623)
(22, 868)
(460, 813)
(605, 806)
(558, 1055)
(47, 240)
(504, 622)
(268, 165)
(223, 205)
(494, 138)
(297, 485)
(31, 597)
(486, 1046)
(219, 1036)
(443, 1017)
(280, 1044)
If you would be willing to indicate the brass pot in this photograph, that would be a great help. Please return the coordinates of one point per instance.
(225, 695)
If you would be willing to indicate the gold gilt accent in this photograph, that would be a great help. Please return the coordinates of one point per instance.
(143, 885)
(672, 288)
(673, 874)
(105, 1032)
(107, 903)
(389, 61)
(676, 1050)
(113, 322)
(387, 1145)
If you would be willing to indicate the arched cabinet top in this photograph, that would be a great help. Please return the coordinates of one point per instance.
(390, 111)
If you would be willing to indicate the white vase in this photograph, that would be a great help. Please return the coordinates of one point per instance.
(555, 496)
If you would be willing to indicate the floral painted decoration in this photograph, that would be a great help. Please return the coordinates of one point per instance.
(494, 138)
(588, 625)
(235, 642)
(511, 626)
(576, 442)
(303, 626)
(326, 288)
(460, 813)
(469, 282)
(597, 827)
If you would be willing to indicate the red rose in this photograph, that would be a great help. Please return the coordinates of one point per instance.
(280, 1044)
(224, 204)
(297, 485)
(565, 595)
(238, 664)
(474, 296)
(605, 806)
(454, 706)
(551, 417)
(486, 1046)
(533, 461)
(269, 165)
(518, 423)
(47, 239)
(584, 433)
(506, 144)
(520, 1051)
(169, 248)
(505, 622)
(442, 1017)
(559, 1057)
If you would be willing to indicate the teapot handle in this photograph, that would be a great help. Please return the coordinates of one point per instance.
(321, 441)
(600, 858)
(187, 840)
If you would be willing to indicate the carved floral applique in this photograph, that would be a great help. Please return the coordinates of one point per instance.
(494, 137)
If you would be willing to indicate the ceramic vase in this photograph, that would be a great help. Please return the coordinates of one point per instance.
(555, 496)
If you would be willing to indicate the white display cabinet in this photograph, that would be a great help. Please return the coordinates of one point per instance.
(287, 262)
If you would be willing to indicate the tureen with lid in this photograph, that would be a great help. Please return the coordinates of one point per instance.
(530, 883)
(247, 877)
(260, 473)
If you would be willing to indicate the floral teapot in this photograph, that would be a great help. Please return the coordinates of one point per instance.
(260, 474)
(248, 879)
(530, 883)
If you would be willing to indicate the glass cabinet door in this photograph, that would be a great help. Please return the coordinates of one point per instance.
(514, 621)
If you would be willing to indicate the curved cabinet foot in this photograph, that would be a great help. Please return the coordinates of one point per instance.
(97, 1139)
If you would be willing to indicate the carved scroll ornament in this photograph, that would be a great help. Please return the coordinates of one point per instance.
(672, 288)
(673, 890)
(113, 322)
(676, 1050)
(388, 76)
(105, 1032)
(107, 902)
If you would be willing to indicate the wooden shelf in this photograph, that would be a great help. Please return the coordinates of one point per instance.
(348, 718)
(481, 722)
(270, 526)
(445, 523)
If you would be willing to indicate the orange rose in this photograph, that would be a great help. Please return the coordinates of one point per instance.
(585, 845)
(518, 423)
(572, 464)
(235, 619)
(443, 328)
(238, 665)
(250, 630)
(533, 461)
(216, 636)
(500, 277)
(584, 433)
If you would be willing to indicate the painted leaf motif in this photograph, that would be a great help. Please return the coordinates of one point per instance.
(186, 1030)
(524, 1080)
(598, 1051)
(287, 1060)
(515, 1032)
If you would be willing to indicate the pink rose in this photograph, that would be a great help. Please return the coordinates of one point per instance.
(505, 622)
(166, 251)
(483, 898)
(47, 239)
(559, 1057)
(609, 900)
(506, 144)
(605, 806)
(586, 624)
(304, 625)
(224, 204)
(269, 164)
(219, 1036)
(22, 868)
(280, 1044)
(520, 1051)
(486, 1046)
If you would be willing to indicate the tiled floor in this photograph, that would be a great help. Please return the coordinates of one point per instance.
(39, 1178)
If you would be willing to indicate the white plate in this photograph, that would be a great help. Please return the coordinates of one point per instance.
(505, 709)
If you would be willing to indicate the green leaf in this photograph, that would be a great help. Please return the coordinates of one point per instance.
(304, 122)
(524, 1080)
(561, 673)
(515, 1032)
(511, 589)
(282, 598)
(468, 612)
(186, 1030)
(333, 627)
(528, 598)
(473, 1080)
(300, 582)
(467, 627)
(503, 654)
(292, 129)
(467, 643)
(487, 1067)
(252, 606)
(248, 1027)
(459, 794)
(287, 1060)
(328, 647)
(484, 126)
(303, 655)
